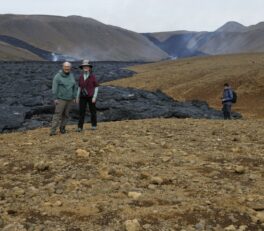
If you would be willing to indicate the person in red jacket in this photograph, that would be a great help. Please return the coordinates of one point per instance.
(87, 94)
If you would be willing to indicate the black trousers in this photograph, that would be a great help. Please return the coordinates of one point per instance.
(227, 111)
(82, 108)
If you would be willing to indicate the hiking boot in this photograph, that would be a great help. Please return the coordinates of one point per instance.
(94, 128)
(79, 130)
(52, 134)
(62, 130)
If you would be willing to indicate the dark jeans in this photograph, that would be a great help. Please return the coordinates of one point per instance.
(82, 107)
(227, 111)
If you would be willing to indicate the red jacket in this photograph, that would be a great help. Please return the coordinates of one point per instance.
(89, 84)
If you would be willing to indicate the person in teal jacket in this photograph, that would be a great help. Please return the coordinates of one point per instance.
(64, 90)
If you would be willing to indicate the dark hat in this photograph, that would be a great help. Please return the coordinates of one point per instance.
(86, 63)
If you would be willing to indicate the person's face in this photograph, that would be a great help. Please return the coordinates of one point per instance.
(66, 68)
(86, 69)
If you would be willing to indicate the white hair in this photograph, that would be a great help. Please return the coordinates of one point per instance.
(66, 64)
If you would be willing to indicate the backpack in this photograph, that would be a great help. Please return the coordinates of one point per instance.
(234, 99)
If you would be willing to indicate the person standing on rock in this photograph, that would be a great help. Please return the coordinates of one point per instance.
(227, 101)
(64, 89)
(87, 94)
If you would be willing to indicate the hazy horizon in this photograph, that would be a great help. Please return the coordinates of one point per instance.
(148, 15)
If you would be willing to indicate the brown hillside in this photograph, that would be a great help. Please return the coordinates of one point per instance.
(168, 174)
(203, 79)
(80, 37)
(9, 52)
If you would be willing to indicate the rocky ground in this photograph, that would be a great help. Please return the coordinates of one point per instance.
(160, 174)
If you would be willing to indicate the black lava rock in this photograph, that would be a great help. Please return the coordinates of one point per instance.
(26, 99)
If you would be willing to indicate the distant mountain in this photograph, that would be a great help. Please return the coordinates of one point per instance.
(231, 38)
(77, 37)
(40, 37)
(177, 45)
(259, 26)
(232, 27)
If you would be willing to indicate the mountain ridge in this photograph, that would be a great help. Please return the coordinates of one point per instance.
(231, 38)
(80, 37)
(77, 37)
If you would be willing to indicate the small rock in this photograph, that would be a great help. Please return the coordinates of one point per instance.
(58, 203)
(50, 187)
(156, 180)
(208, 202)
(33, 191)
(104, 174)
(200, 225)
(27, 144)
(147, 226)
(152, 186)
(144, 175)
(240, 170)
(41, 166)
(230, 228)
(14, 227)
(82, 153)
(235, 149)
(116, 172)
(165, 145)
(18, 191)
(134, 195)
(166, 159)
(242, 228)
(132, 225)
(48, 204)
(253, 177)
(260, 216)
(59, 191)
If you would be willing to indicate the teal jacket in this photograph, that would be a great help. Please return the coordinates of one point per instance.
(64, 86)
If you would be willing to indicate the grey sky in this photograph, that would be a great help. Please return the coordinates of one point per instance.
(148, 15)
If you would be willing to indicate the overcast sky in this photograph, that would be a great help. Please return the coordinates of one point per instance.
(148, 15)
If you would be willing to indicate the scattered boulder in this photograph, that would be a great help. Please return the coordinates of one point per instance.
(156, 180)
(230, 228)
(240, 169)
(42, 166)
(58, 203)
(134, 195)
(82, 153)
(260, 216)
(18, 191)
(132, 225)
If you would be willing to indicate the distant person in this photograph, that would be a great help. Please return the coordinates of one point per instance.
(87, 94)
(227, 101)
(64, 89)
